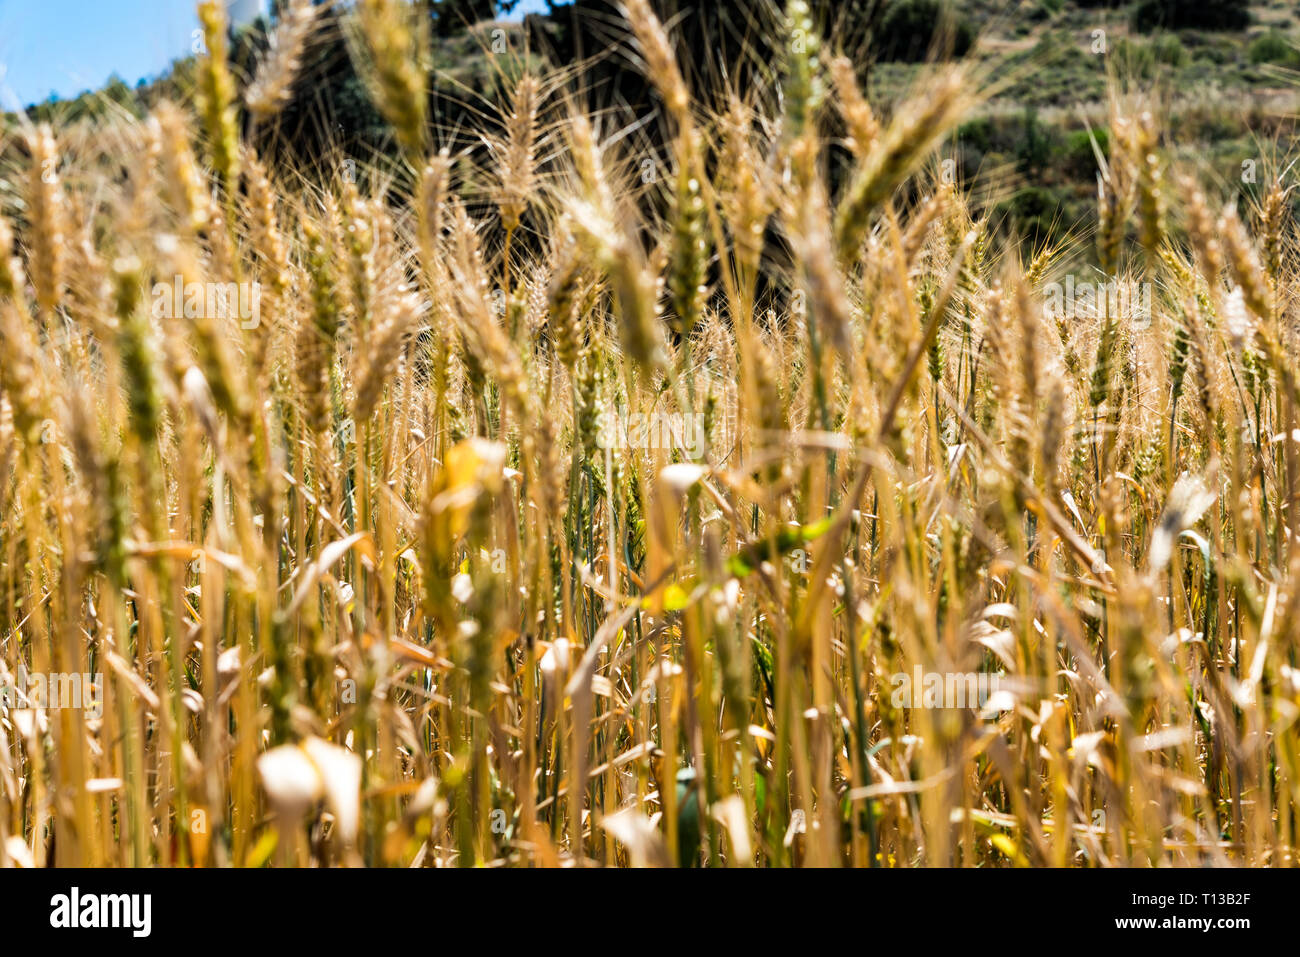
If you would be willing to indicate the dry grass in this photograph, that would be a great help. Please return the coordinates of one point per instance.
(377, 578)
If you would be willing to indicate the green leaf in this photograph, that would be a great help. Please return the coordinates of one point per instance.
(745, 561)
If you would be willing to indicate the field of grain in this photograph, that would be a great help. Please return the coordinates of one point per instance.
(551, 504)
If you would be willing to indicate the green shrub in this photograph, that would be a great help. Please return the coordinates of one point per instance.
(1135, 57)
(977, 134)
(1273, 47)
(1035, 212)
(1036, 144)
(1211, 57)
(1079, 162)
(1168, 49)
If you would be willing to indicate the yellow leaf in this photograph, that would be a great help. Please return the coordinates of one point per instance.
(676, 597)
(261, 852)
(1008, 847)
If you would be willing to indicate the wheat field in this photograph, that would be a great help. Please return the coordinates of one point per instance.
(519, 508)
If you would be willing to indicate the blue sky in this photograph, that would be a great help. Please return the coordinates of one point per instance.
(66, 46)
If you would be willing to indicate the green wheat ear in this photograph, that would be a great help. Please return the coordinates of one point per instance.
(689, 258)
(804, 90)
(216, 94)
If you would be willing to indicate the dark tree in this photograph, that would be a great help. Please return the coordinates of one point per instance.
(911, 30)
(1192, 15)
(453, 16)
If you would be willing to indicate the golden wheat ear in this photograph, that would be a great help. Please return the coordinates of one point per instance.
(49, 222)
(387, 44)
(272, 86)
(917, 125)
(562, 299)
(22, 380)
(859, 117)
(517, 154)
